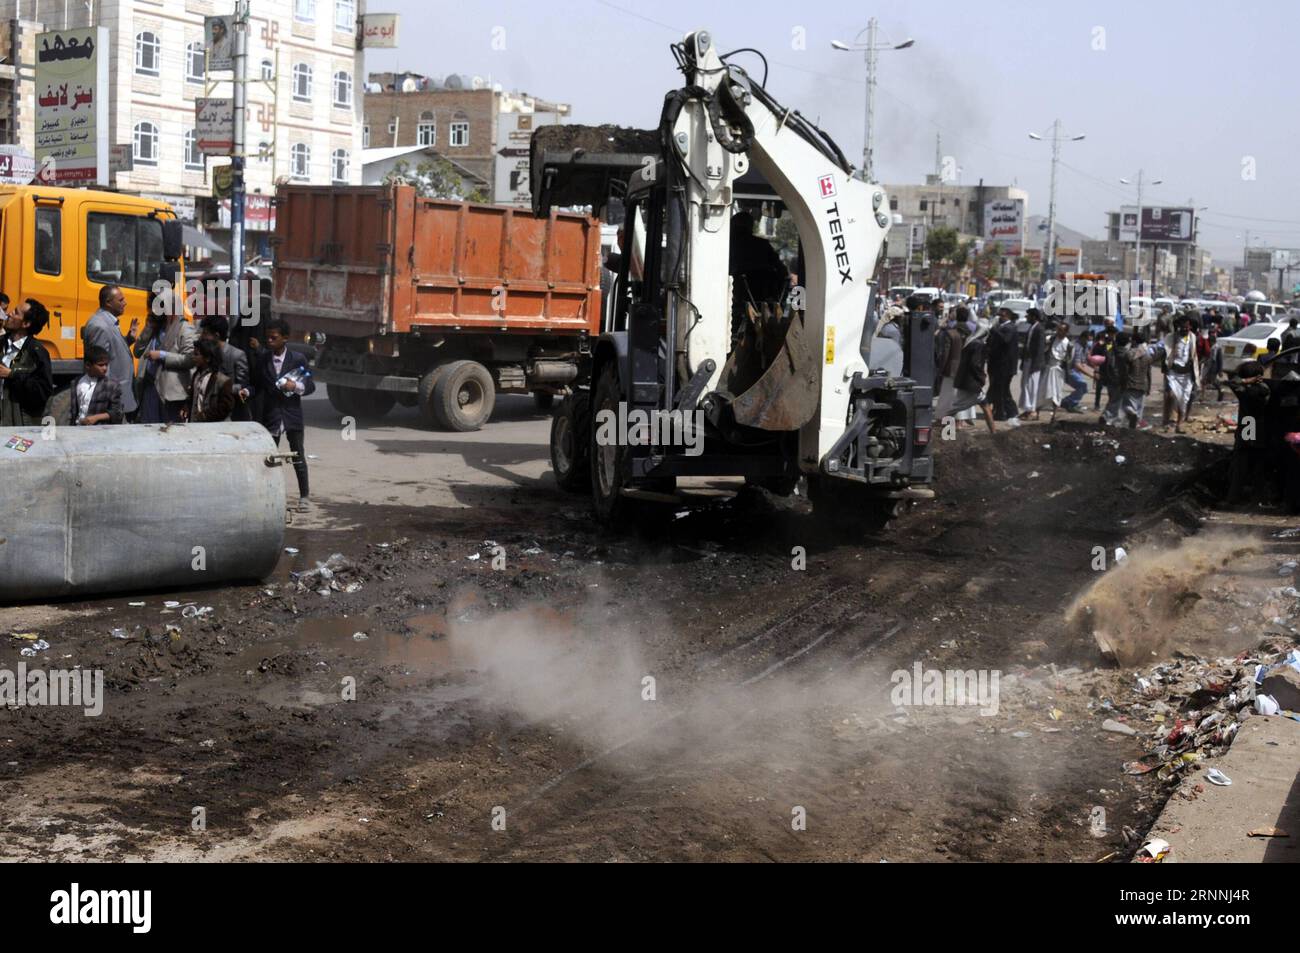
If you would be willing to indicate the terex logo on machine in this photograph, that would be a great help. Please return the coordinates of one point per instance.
(837, 240)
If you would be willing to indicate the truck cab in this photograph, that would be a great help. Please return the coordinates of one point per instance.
(60, 246)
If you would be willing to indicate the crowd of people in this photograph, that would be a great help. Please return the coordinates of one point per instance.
(976, 365)
(170, 372)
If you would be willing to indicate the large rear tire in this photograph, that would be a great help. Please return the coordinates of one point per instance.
(571, 443)
(341, 399)
(424, 400)
(608, 459)
(464, 396)
(372, 404)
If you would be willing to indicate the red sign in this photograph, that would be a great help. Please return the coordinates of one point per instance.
(827, 185)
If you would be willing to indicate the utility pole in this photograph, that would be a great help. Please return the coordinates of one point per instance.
(240, 62)
(1049, 250)
(1137, 265)
(870, 49)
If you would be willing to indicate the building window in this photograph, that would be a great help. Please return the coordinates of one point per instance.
(268, 71)
(148, 52)
(924, 205)
(365, 136)
(194, 64)
(193, 157)
(459, 133)
(302, 82)
(304, 11)
(145, 144)
(893, 203)
(300, 161)
(392, 127)
(343, 89)
(340, 164)
(426, 131)
(345, 15)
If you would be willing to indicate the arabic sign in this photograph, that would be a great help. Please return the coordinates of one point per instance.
(214, 126)
(71, 113)
(511, 167)
(259, 213)
(218, 40)
(17, 167)
(120, 159)
(1004, 223)
(1159, 224)
(378, 31)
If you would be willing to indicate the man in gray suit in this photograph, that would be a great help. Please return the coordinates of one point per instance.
(103, 330)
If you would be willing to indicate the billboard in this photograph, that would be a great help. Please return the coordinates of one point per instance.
(1159, 224)
(218, 41)
(72, 105)
(1004, 223)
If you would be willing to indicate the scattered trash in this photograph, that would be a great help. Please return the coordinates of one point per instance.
(196, 612)
(1266, 705)
(1120, 458)
(1215, 776)
(336, 574)
(1034, 475)
(32, 650)
(1121, 554)
(172, 604)
(532, 551)
(136, 605)
(1154, 851)
(1268, 832)
(291, 551)
(120, 634)
(1116, 727)
(1287, 533)
(359, 637)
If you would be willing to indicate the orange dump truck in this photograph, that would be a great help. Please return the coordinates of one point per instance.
(433, 303)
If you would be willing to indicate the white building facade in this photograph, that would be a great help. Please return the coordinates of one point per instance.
(304, 95)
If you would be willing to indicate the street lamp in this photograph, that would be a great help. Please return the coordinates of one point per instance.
(1137, 264)
(870, 48)
(1049, 251)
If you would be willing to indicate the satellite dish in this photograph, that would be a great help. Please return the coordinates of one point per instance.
(478, 82)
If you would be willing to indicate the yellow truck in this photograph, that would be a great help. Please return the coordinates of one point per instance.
(60, 246)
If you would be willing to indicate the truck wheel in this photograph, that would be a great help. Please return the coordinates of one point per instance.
(341, 399)
(373, 404)
(543, 399)
(424, 400)
(571, 443)
(464, 396)
(608, 462)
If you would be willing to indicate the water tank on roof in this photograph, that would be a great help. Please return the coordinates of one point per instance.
(458, 81)
(409, 84)
(436, 82)
(478, 82)
(374, 88)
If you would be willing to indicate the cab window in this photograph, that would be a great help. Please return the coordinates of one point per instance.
(49, 241)
(123, 249)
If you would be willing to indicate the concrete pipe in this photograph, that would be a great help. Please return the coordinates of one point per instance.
(116, 509)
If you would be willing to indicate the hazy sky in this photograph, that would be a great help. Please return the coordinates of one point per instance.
(1196, 93)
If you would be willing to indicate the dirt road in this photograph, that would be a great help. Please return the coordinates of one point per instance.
(493, 678)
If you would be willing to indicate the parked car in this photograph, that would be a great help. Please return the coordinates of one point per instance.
(1249, 343)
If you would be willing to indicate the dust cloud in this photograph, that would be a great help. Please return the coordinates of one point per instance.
(1135, 609)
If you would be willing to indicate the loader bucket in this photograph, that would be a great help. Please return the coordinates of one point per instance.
(786, 394)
